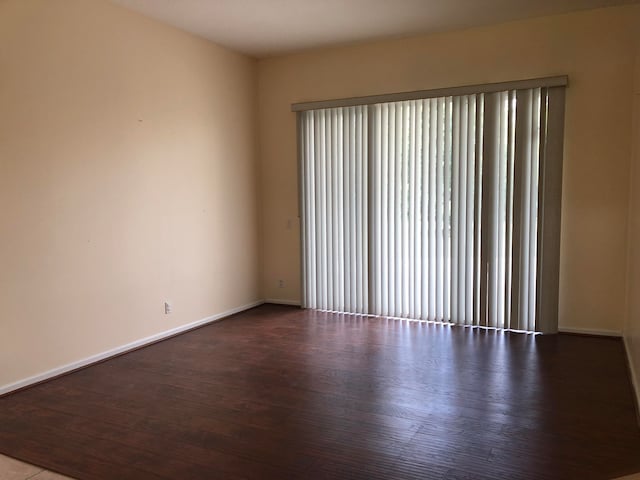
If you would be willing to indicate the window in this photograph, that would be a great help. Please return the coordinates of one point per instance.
(443, 208)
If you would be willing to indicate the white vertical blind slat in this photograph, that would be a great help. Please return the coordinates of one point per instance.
(469, 236)
(384, 223)
(348, 211)
(322, 211)
(359, 142)
(533, 241)
(439, 234)
(446, 219)
(424, 210)
(412, 219)
(364, 210)
(391, 232)
(401, 206)
(526, 209)
(335, 236)
(418, 195)
(397, 201)
(311, 213)
(432, 160)
(502, 208)
(456, 297)
(479, 281)
(509, 211)
(377, 206)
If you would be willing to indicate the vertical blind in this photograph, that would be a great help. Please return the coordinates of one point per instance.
(335, 225)
(442, 209)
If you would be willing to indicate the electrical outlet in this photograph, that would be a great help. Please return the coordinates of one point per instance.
(167, 308)
(280, 283)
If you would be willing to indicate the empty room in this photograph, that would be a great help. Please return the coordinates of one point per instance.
(303, 239)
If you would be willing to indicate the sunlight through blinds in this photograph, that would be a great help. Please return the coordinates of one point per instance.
(432, 208)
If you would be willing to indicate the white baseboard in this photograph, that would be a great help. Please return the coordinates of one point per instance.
(295, 303)
(4, 389)
(589, 331)
(635, 379)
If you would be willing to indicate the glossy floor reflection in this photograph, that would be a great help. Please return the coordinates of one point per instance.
(277, 392)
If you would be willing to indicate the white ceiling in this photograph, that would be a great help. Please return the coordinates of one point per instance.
(270, 27)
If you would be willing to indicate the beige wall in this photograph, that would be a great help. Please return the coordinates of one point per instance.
(127, 177)
(594, 48)
(632, 329)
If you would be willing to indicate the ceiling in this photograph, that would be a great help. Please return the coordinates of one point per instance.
(262, 28)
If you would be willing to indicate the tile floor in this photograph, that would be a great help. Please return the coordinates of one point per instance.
(12, 469)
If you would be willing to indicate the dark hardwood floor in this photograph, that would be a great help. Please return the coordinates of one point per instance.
(282, 393)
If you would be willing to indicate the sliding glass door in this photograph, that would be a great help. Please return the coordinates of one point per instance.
(433, 208)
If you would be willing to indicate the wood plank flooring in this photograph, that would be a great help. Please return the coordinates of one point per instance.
(283, 393)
